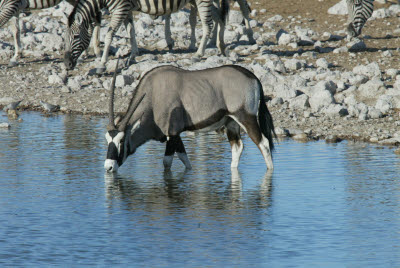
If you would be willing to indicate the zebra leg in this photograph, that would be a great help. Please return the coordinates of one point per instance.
(221, 27)
(130, 28)
(245, 11)
(207, 24)
(170, 41)
(233, 133)
(96, 40)
(192, 21)
(17, 40)
(216, 18)
(117, 18)
(180, 150)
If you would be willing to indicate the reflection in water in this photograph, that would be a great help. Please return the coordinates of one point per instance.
(181, 192)
(324, 205)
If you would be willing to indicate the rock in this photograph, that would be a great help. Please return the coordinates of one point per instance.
(273, 62)
(322, 63)
(294, 64)
(276, 101)
(320, 99)
(392, 72)
(284, 92)
(370, 70)
(299, 102)
(332, 139)
(281, 132)
(5, 125)
(333, 110)
(285, 38)
(370, 90)
(356, 45)
(123, 80)
(55, 79)
(276, 18)
(374, 113)
(73, 84)
(384, 104)
(300, 137)
(339, 9)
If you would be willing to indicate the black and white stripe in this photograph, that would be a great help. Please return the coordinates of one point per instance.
(359, 12)
(10, 9)
(87, 11)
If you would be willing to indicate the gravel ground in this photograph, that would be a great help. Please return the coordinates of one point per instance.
(320, 84)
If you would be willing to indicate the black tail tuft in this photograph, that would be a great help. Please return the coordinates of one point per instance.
(265, 121)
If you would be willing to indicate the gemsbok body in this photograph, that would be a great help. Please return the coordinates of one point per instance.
(169, 100)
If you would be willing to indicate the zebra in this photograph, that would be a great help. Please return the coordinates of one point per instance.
(219, 17)
(169, 100)
(87, 11)
(10, 9)
(359, 12)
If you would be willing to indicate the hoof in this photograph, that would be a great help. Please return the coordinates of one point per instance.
(12, 63)
(252, 41)
(129, 62)
(100, 70)
(196, 59)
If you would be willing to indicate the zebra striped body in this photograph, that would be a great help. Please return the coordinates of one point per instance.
(10, 9)
(87, 11)
(359, 12)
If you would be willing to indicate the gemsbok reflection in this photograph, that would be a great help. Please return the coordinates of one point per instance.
(169, 100)
(181, 190)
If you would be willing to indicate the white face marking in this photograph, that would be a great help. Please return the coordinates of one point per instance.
(116, 140)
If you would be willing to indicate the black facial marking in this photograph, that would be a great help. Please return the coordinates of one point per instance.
(112, 152)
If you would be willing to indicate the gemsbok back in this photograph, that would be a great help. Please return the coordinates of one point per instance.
(169, 100)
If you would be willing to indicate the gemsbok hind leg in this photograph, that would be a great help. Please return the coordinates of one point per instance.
(175, 144)
(233, 133)
(251, 126)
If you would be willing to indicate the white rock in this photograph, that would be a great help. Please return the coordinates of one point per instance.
(370, 70)
(299, 102)
(123, 80)
(322, 63)
(284, 92)
(55, 80)
(373, 88)
(320, 99)
(339, 9)
(294, 64)
(5, 125)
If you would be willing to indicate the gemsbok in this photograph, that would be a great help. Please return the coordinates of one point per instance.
(169, 100)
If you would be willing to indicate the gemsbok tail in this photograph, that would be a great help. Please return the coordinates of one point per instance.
(265, 121)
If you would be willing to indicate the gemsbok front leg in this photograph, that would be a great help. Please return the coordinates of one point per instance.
(175, 144)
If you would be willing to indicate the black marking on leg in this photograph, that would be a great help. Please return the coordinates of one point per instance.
(180, 147)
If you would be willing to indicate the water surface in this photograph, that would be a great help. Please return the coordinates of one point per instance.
(325, 205)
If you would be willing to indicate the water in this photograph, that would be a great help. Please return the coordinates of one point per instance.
(325, 205)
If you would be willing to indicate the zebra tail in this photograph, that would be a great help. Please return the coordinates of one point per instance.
(265, 121)
(224, 10)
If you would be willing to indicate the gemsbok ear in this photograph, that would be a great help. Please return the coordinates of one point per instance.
(135, 126)
(78, 18)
